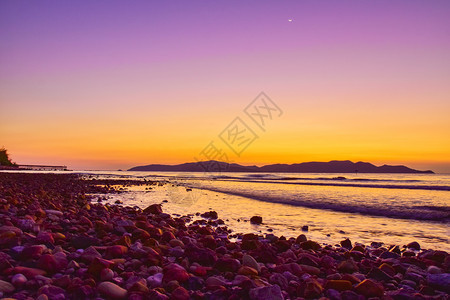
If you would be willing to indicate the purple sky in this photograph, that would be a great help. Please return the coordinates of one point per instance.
(83, 78)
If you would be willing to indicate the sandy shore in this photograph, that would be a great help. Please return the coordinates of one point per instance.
(56, 244)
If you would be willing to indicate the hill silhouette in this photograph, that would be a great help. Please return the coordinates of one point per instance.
(334, 166)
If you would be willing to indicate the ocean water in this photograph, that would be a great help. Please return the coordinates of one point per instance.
(392, 208)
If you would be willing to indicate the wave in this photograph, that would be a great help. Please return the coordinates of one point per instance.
(344, 184)
(420, 213)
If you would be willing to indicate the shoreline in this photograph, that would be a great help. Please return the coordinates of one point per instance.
(56, 243)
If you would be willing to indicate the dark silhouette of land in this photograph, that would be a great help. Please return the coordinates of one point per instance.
(334, 166)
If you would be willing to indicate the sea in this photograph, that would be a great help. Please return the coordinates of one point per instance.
(394, 209)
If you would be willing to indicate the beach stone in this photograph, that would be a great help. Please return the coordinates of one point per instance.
(227, 264)
(369, 288)
(175, 272)
(279, 280)
(51, 263)
(272, 292)
(83, 242)
(156, 295)
(29, 273)
(18, 280)
(413, 245)
(153, 209)
(305, 228)
(214, 281)
(301, 238)
(180, 293)
(256, 220)
(54, 212)
(112, 290)
(333, 294)
(310, 245)
(387, 268)
(13, 229)
(339, 285)
(248, 271)
(312, 289)
(350, 295)
(116, 251)
(155, 280)
(32, 252)
(52, 292)
(434, 270)
(440, 281)
(248, 260)
(346, 244)
(6, 287)
(98, 265)
(379, 275)
(45, 238)
(203, 256)
(348, 266)
(210, 215)
(106, 274)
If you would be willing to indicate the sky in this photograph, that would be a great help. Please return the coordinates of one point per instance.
(113, 84)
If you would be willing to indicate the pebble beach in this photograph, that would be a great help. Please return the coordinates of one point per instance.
(57, 242)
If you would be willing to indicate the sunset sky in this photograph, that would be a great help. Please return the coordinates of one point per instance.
(114, 84)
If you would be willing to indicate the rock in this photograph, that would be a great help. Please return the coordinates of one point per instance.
(305, 228)
(248, 260)
(440, 281)
(153, 209)
(83, 242)
(310, 245)
(227, 264)
(413, 245)
(346, 244)
(312, 289)
(49, 263)
(301, 238)
(112, 290)
(155, 280)
(18, 280)
(256, 220)
(6, 287)
(45, 238)
(272, 292)
(279, 280)
(348, 266)
(116, 251)
(30, 273)
(214, 281)
(369, 288)
(248, 271)
(339, 285)
(106, 274)
(180, 293)
(175, 272)
(388, 269)
(434, 270)
(210, 215)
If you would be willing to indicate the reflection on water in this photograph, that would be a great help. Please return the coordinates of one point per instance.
(324, 225)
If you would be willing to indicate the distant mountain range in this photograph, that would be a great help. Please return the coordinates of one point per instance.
(334, 166)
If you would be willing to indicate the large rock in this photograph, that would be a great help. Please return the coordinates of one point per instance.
(272, 292)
